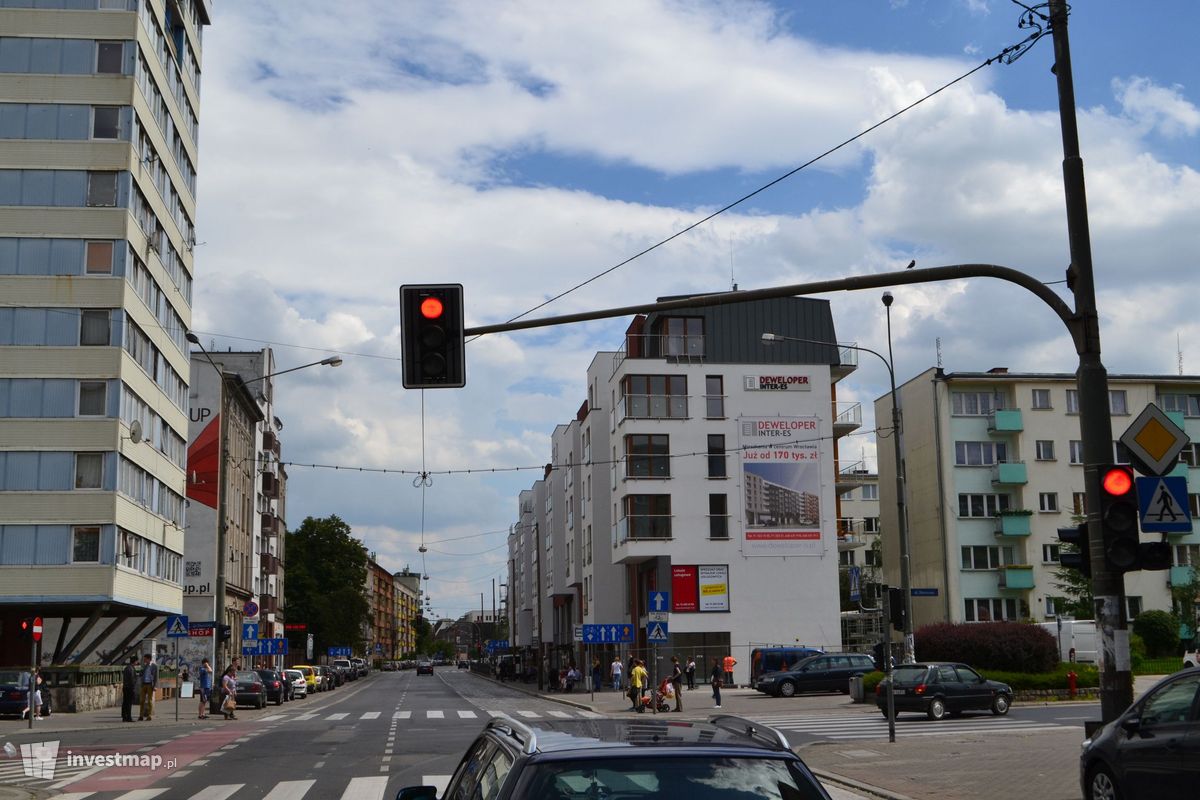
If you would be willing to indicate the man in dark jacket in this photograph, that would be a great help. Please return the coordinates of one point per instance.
(128, 689)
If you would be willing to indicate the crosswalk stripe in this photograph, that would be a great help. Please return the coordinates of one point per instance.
(435, 714)
(73, 796)
(402, 715)
(440, 781)
(332, 717)
(141, 794)
(560, 714)
(529, 714)
(309, 715)
(290, 790)
(466, 715)
(366, 788)
(370, 715)
(590, 715)
(220, 792)
(273, 717)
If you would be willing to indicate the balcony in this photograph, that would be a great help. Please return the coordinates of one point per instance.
(1005, 420)
(268, 604)
(270, 525)
(1016, 576)
(637, 539)
(270, 485)
(671, 347)
(269, 564)
(852, 476)
(1181, 576)
(849, 362)
(851, 534)
(1010, 473)
(847, 418)
(1013, 524)
(270, 442)
(651, 406)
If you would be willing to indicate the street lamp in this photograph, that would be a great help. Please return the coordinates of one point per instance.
(902, 524)
(332, 361)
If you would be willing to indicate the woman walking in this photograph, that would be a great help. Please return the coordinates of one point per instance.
(229, 692)
(715, 677)
(205, 686)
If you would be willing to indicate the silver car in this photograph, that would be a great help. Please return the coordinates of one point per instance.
(298, 681)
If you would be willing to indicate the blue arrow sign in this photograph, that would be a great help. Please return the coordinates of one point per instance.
(626, 634)
(1164, 504)
(249, 630)
(656, 633)
(660, 601)
(177, 626)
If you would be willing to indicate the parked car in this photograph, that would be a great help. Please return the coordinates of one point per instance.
(424, 667)
(774, 659)
(1150, 750)
(273, 686)
(360, 667)
(347, 669)
(311, 677)
(299, 683)
(328, 678)
(464, 663)
(938, 689)
(251, 691)
(627, 759)
(1191, 659)
(388, 666)
(826, 673)
(14, 693)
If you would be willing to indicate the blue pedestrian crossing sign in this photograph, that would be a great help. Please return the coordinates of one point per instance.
(1163, 502)
(656, 633)
(177, 626)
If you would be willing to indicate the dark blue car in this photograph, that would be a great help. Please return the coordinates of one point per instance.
(14, 693)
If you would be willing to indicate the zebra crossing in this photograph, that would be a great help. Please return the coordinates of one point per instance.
(433, 714)
(363, 788)
(869, 726)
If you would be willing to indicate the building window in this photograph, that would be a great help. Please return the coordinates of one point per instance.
(986, 557)
(1072, 401)
(979, 454)
(1133, 606)
(106, 122)
(1186, 404)
(718, 516)
(975, 404)
(89, 470)
(1194, 505)
(870, 491)
(648, 516)
(109, 56)
(1120, 453)
(94, 327)
(683, 336)
(714, 397)
(716, 455)
(1075, 448)
(989, 609)
(1190, 454)
(846, 558)
(1048, 501)
(1116, 402)
(1045, 449)
(647, 456)
(982, 505)
(85, 545)
(1049, 554)
(870, 524)
(99, 258)
(1041, 398)
(93, 397)
(655, 396)
(102, 189)
(1079, 504)
(871, 557)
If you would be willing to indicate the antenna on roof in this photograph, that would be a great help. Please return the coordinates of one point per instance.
(1179, 353)
(938, 342)
(732, 280)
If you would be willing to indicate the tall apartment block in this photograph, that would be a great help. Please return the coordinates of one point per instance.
(994, 466)
(99, 110)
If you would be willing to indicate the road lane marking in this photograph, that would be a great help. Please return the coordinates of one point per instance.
(435, 714)
(560, 714)
(309, 715)
(141, 794)
(529, 714)
(366, 789)
(179, 773)
(469, 715)
(290, 790)
(370, 715)
(402, 715)
(217, 792)
(333, 717)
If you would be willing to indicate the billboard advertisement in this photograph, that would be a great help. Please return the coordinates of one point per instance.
(781, 476)
(699, 587)
(685, 592)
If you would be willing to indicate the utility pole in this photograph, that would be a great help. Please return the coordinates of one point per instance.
(1095, 424)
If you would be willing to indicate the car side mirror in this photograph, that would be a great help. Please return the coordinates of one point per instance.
(1131, 725)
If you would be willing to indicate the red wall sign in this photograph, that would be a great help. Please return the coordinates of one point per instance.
(685, 593)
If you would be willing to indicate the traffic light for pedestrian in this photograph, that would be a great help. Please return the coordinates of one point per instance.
(432, 346)
(25, 629)
(1079, 558)
(1119, 517)
(896, 608)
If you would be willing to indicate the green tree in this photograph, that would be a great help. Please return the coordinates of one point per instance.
(1159, 630)
(327, 582)
(1184, 602)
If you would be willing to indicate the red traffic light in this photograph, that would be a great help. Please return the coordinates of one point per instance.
(432, 308)
(1117, 482)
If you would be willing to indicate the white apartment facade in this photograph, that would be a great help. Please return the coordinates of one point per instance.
(705, 465)
(99, 104)
(994, 467)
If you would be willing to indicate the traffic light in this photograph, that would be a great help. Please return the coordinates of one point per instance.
(1119, 517)
(896, 608)
(431, 336)
(223, 633)
(25, 629)
(1080, 558)
(1154, 555)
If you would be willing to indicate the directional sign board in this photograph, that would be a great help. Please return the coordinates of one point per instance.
(659, 601)
(1164, 504)
(1154, 441)
(265, 647)
(608, 634)
(177, 626)
(249, 630)
(656, 633)
(339, 652)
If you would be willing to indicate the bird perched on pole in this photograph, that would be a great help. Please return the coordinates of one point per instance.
(911, 264)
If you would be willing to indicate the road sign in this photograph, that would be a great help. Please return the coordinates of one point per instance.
(177, 626)
(265, 647)
(579, 634)
(659, 601)
(250, 609)
(1154, 441)
(379, 649)
(658, 616)
(249, 630)
(929, 592)
(497, 644)
(855, 576)
(1164, 504)
(37, 629)
(608, 633)
(339, 652)
(656, 633)
(201, 629)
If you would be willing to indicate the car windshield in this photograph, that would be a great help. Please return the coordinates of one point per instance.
(697, 778)
(909, 674)
(804, 662)
(249, 677)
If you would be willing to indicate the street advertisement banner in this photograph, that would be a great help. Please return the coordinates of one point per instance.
(713, 581)
(685, 591)
(781, 475)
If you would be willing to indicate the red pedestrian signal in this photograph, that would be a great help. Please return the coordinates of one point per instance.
(1119, 517)
(25, 629)
(1117, 481)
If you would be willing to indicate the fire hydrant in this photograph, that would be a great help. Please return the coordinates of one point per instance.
(1071, 676)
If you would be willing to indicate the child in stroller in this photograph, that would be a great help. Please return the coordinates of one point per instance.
(665, 692)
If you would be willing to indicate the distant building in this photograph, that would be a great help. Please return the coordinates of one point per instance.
(406, 587)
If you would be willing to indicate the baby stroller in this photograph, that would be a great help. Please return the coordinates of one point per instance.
(664, 688)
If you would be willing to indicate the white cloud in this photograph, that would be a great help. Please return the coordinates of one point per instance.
(1159, 107)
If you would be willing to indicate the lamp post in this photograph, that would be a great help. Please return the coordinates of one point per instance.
(332, 361)
(901, 524)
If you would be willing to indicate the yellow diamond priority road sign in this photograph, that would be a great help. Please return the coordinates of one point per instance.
(1154, 441)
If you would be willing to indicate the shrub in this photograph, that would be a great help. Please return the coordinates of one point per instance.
(1086, 675)
(1009, 646)
(1159, 630)
(870, 681)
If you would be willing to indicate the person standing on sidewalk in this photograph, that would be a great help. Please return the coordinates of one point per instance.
(617, 669)
(690, 671)
(677, 682)
(597, 675)
(637, 681)
(149, 683)
(205, 674)
(730, 663)
(715, 677)
(128, 689)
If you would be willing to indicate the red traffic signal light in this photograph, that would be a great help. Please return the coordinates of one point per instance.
(1117, 481)
(26, 628)
(432, 345)
(432, 308)
(1119, 517)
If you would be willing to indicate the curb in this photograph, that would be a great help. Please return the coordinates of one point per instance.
(857, 786)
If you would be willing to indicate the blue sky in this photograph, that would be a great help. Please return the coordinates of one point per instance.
(521, 148)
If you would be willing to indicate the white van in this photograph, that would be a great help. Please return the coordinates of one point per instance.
(1076, 639)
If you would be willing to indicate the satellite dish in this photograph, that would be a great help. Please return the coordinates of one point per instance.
(135, 431)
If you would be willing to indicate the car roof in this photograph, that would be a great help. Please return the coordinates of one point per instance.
(603, 736)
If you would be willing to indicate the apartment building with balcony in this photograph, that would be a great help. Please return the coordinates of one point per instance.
(99, 106)
(380, 637)
(994, 465)
(703, 463)
(406, 590)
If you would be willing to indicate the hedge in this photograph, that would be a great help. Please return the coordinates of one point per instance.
(1007, 646)
(1086, 676)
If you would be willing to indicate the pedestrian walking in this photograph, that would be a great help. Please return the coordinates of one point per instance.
(597, 675)
(129, 680)
(616, 671)
(205, 686)
(677, 682)
(637, 684)
(690, 672)
(730, 663)
(149, 682)
(229, 693)
(715, 678)
(34, 697)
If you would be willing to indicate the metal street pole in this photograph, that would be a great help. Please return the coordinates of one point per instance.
(901, 485)
(1095, 424)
